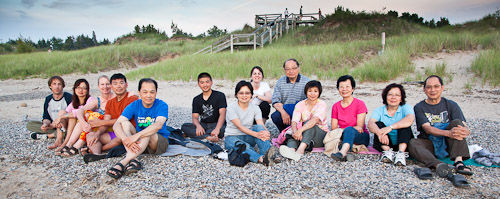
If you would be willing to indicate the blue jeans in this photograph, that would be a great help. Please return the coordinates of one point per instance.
(276, 116)
(351, 136)
(439, 142)
(231, 141)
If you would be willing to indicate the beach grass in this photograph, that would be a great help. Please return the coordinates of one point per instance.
(323, 61)
(101, 58)
(487, 66)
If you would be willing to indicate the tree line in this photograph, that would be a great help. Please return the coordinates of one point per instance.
(25, 45)
(414, 18)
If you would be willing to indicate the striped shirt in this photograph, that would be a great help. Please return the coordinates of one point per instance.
(286, 92)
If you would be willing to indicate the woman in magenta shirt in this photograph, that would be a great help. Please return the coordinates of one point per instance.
(349, 114)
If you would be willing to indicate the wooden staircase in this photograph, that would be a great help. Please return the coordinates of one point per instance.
(270, 27)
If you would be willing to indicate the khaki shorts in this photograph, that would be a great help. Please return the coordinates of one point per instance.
(161, 146)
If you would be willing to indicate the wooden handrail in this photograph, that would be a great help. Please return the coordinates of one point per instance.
(272, 28)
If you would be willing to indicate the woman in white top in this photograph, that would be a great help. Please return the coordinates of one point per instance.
(262, 92)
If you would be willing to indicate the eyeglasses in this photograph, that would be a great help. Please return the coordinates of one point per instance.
(244, 93)
(428, 87)
(290, 69)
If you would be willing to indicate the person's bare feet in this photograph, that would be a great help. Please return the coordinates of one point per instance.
(50, 136)
(212, 139)
(55, 145)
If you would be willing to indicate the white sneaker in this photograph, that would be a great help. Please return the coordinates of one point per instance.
(289, 153)
(387, 156)
(400, 159)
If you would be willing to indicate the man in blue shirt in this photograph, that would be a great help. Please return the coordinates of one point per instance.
(150, 133)
(288, 91)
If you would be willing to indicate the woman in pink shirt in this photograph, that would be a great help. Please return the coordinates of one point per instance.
(310, 112)
(349, 114)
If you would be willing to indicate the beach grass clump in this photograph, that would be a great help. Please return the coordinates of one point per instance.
(487, 66)
(388, 65)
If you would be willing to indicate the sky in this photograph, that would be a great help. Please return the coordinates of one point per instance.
(37, 19)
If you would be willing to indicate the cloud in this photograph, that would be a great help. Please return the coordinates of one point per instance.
(22, 14)
(28, 3)
(69, 4)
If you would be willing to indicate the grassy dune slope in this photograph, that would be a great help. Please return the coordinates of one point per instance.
(101, 58)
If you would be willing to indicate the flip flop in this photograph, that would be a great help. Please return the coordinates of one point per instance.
(458, 181)
(423, 173)
(461, 168)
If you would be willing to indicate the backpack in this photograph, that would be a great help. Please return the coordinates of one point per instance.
(237, 157)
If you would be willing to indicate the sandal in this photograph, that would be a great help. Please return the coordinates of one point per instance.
(458, 181)
(70, 152)
(63, 150)
(84, 151)
(117, 173)
(423, 173)
(460, 168)
(133, 166)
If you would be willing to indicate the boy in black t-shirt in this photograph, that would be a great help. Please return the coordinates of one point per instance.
(209, 112)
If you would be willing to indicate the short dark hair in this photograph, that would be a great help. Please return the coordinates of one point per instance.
(51, 79)
(344, 78)
(439, 78)
(386, 90)
(143, 80)
(291, 59)
(204, 74)
(258, 68)
(74, 98)
(118, 76)
(241, 84)
(312, 84)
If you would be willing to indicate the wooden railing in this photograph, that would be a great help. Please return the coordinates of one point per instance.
(270, 27)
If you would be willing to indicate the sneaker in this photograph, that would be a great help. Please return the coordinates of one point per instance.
(289, 153)
(387, 156)
(269, 157)
(338, 156)
(400, 159)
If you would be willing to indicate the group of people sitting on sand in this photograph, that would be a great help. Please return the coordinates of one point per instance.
(119, 118)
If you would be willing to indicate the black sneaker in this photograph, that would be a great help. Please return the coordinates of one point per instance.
(338, 156)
